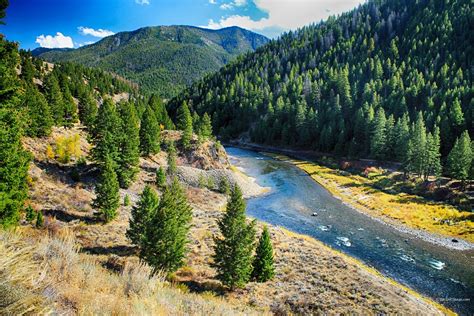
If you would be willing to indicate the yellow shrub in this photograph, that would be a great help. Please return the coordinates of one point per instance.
(49, 152)
(68, 148)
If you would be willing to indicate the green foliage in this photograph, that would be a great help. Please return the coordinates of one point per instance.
(352, 85)
(129, 145)
(205, 129)
(106, 135)
(140, 216)
(30, 214)
(126, 200)
(39, 115)
(160, 177)
(70, 115)
(14, 160)
(55, 98)
(263, 266)
(87, 108)
(166, 232)
(107, 192)
(39, 219)
(172, 167)
(233, 248)
(185, 124)
(164, 59)
(460, 158)
(224, 186)
(149, 133)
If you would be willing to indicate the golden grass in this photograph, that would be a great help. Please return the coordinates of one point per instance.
(42, 274)
(368, 269)
(411, 210)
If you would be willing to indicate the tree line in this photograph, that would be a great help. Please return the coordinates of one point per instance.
(351, 86)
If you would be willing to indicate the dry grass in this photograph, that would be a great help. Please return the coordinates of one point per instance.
(43, 273)
(411, 210)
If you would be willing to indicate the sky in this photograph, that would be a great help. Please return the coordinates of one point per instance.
(75, 23)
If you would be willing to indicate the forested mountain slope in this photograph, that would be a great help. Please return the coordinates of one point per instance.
(163, 59)
(390, 80)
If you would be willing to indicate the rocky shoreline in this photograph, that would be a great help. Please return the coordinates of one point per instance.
(444, 241)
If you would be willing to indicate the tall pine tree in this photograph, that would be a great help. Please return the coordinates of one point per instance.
(107, 198)
(233, 248)
(185, 124)
(141, 214)
(460, 158)
(149, 133)
(166, 232)
(129, 145)
(263, 265)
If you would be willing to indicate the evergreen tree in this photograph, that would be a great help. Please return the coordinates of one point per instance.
(129, 145)
(379, 135)
(166, 232)
(55, 98)
(171, 159)
(141, 214)
(39, 219)
(69, 107)
(107, 192)
(30, 214)
(185, 124)
(39, 115)
(149, 133)
(460, 158)
(263, 269)
(224, 186)
(206, 127)
(87, 109)
(14, 160)
(106, 134)
(417, 147)
(433, 155)
(160, 177)
(233, 249)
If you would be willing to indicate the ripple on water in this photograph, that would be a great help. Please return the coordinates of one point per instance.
(436, 264)
(344, 241)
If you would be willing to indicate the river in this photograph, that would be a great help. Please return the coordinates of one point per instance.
(445, 275)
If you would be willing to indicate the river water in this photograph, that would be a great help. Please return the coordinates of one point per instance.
(445, 275)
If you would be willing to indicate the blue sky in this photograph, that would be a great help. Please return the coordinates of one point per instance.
(71, 23)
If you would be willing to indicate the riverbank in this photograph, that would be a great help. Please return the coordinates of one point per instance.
(434, 222)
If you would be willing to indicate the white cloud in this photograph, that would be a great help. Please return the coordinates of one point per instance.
(286, 14)
(58, 41)
(226, 6)
(142, 2)
(212, 2)
(231, 5)
(96, 33)
(240, 3)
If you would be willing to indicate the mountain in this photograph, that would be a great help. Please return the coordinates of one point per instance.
(386, 81)
(162, 59)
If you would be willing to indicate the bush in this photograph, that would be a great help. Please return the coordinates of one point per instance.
(66, 148)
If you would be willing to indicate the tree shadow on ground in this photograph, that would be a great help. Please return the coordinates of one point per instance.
(119, 250)
(68, 217)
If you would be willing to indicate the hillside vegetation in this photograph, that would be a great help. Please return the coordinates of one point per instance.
(391, 80)
(163, 59)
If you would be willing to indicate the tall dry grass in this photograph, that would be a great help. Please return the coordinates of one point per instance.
(47, 274)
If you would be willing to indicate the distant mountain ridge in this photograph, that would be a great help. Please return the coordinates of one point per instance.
(162, 59)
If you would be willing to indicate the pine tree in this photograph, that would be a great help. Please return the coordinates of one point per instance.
(30, 214)
(14, 160)
(433, 159)
(185, 124)
(460, 158)
(233, 249)
(106, 134)
(149, 133)
(39, 219)
(129, 145)
(171, 159)
(160, 177)
(141, 214)
(166, 232)
(39, 115)
(87, 109)
(224, 186)
(107, 192)
(263, 269)
(55, 98)
(69, 107)
(417, 147)
(379, 135)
